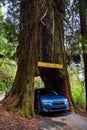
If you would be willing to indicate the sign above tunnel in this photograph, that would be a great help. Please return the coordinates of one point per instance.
(50, 65)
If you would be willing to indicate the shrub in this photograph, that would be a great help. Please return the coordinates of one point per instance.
(78, 94)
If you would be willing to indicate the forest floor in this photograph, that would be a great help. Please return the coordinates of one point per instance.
(11, 121)
(56, 121)
(53, 121)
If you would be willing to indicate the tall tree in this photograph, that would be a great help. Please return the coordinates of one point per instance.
(83, 23)
(41, 39)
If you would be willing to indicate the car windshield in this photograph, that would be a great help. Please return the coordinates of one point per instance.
(46, 92)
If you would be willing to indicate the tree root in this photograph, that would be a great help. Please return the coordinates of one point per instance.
(13, 104)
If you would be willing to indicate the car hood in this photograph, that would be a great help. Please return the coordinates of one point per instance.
(52, 97)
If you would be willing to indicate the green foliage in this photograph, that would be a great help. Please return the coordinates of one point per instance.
(9, 30)
(38, 83)
(8, 44)
(78, 94)
(0, 12)
(8, 39)
(77, 85)
(5, 86)
(7, 74)
(83, 40)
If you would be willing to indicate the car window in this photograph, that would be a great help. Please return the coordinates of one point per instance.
(55, 93)
(46, 92)
(52, 92)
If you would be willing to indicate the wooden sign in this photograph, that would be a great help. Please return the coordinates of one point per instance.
(50, 65)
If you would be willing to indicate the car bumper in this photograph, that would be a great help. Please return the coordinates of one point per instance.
(54, 108)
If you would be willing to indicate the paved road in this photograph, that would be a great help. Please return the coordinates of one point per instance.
(1, 96)
(63, 121)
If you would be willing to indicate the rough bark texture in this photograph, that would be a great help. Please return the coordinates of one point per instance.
(21, 95)
(41, 39)
(53, 51)
(83, 22)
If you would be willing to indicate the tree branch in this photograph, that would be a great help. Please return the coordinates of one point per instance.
(41, 19)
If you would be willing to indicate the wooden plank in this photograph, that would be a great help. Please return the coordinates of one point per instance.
(50, 65)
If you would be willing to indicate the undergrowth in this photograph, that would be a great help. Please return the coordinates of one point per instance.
(78, 94)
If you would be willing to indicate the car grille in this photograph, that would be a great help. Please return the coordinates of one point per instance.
(58, 108)
(58, 103)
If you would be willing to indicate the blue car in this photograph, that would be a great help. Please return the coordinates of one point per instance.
(50, 101)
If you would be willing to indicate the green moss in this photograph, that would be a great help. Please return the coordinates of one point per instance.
(27, 108)
(27, 112)
(12, 109)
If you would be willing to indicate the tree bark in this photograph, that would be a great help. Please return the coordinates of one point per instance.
(21, 95)
(83, 23)
(54, 78)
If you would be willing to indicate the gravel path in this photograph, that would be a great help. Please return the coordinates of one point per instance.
(63, 121)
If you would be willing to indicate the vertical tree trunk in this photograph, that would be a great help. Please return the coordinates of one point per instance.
(54, 78)
(41, 39)
(21, 95)
(83, 23)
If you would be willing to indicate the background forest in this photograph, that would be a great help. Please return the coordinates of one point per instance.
(9, 30)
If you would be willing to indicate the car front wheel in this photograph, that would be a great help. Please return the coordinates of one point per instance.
(38, 108)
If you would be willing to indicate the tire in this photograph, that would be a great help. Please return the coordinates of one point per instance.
(38, 109)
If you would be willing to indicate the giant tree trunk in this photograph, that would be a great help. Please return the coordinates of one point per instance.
(41, 39)
(21, 96)
(83, 23)
(53, 51)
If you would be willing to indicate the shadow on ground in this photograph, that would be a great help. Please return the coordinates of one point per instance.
(55, 114)
(62, 121)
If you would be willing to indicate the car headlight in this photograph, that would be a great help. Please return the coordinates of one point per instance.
(45, 101)
(66, 100)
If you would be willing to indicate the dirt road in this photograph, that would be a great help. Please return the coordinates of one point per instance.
(63, 121)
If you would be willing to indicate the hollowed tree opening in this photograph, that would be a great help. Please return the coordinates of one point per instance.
(53, 79)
